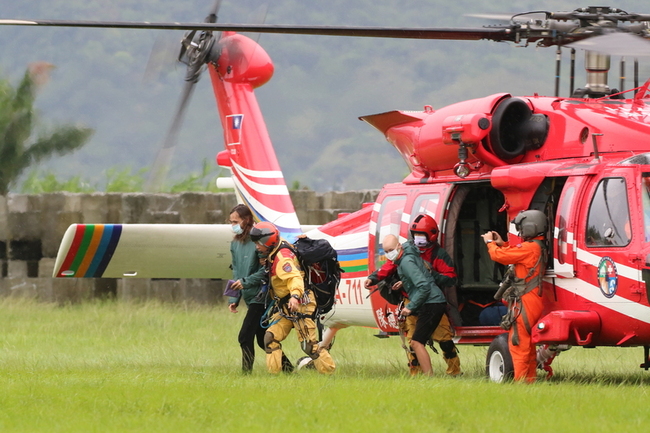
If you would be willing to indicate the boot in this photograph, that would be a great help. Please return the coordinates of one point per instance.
(287, 366)
(453, 365)
(414, 366)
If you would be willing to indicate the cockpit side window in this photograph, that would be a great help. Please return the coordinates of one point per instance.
(608, 223)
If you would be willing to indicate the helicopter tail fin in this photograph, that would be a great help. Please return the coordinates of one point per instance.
(238, 67)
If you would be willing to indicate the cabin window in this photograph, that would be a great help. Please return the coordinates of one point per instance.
(608, 223)
(425, 204)
(388, 222)
(645, 199)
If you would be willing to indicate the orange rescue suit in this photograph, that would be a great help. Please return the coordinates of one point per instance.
(524, 256)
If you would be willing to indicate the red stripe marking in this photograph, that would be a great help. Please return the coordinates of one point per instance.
(74, 248)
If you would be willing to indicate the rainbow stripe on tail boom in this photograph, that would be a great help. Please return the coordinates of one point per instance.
(91, 250)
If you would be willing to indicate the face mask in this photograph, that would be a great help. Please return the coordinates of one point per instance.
(236, 229)
(420, 241)
(392, 255)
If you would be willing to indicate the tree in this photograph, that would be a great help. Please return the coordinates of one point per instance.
(19, 149)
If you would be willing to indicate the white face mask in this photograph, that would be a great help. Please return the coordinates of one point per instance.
(420, 241)
(236, 229)
(392, 255)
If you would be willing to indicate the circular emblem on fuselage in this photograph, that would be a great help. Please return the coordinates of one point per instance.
(607, 277)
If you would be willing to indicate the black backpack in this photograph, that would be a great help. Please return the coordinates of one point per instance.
(319, 261)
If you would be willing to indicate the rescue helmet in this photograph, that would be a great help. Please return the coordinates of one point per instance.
(530, 223)
(265, 234)
(425, 225)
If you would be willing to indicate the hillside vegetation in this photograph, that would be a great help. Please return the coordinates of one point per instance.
(320, 88)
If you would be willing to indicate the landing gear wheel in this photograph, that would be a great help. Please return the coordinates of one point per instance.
(498, 365)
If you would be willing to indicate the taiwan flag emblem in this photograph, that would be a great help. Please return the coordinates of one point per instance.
(233, 131)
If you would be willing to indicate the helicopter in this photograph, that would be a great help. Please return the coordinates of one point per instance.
(583, 160)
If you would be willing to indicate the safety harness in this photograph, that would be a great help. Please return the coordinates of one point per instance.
(513, 288)
(279, 308)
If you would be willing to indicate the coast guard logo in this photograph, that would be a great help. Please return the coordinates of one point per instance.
(607, 277)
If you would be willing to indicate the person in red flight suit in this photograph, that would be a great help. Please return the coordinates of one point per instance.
(294, 306)
(525, 307)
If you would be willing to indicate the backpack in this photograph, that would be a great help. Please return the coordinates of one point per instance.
(319, 262)
(322, 270)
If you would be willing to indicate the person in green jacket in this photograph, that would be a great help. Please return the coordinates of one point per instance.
(250, 280)
(426, 299)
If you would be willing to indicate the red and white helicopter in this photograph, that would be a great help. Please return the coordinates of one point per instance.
(584, 160)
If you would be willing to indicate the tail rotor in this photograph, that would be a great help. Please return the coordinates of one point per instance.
(196, 50)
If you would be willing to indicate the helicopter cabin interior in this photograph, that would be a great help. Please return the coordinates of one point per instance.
(464, 211)
(475, 209)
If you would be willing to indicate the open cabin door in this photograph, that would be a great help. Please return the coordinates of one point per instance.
(473, 209)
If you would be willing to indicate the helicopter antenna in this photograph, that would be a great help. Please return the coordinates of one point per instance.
(558, 62)
(636, 75)
(622, 66)
(572, 77)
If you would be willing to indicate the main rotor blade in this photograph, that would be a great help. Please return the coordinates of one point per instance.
(615, 44)
(161, 165)
(464, 34)
(162, 57)
(258, 16)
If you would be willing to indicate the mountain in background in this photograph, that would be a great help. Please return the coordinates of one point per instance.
(320, 87)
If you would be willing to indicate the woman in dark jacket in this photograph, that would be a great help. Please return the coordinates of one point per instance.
(249, 276)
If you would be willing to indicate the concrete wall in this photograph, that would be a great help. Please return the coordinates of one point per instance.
(32, 226)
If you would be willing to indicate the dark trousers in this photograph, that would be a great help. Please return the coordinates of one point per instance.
(429, 316)
(250, 331)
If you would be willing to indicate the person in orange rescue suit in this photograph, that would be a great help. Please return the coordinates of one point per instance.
(525, 309)
(424, 234)
(294, 307)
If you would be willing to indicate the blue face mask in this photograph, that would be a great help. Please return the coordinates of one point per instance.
(236, 229)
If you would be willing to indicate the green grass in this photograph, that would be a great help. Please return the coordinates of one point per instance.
(117, 367)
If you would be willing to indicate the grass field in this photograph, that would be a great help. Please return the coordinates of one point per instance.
(117, 367)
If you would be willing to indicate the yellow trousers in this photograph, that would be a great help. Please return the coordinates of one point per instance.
(306, 331)
(442, 334)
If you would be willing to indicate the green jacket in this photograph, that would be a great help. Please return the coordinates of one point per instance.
(418, 282)
(247, 268)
